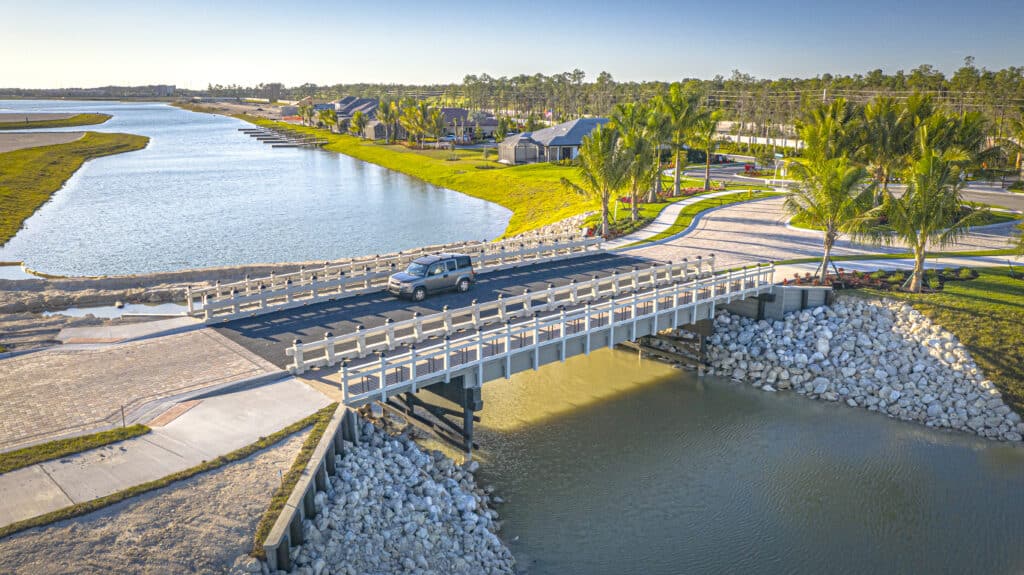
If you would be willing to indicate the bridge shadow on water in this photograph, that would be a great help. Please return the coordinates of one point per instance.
(268, 335)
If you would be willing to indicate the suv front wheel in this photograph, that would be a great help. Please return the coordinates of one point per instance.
(463, 285)
(419, 294)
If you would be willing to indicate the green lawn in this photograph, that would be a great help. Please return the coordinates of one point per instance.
(987, 314)
(55, 449)
(30, 176)
(76, 120)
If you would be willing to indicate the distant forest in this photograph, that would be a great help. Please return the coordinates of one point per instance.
(772, 105)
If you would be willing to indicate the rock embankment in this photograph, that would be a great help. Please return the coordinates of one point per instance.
(881, 355)
(393, 508)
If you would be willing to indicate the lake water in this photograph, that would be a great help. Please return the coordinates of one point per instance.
(612, 465)
(204, 194)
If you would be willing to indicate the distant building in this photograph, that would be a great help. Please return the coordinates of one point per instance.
(347, 106)
(375, 130)
(559, 142)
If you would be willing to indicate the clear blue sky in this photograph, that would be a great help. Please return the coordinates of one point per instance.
(49, 43)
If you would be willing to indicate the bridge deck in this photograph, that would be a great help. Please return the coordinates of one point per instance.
(269, 335)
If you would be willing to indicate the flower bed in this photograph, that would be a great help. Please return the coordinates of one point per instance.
(892, 280)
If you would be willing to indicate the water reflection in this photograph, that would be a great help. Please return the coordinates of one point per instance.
(615, 466)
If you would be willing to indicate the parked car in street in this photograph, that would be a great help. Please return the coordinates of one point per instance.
(431, 274)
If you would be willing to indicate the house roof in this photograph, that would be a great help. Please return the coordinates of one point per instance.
(567, 134)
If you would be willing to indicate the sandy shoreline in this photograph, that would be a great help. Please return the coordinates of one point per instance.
(20, 141)
(9, 117)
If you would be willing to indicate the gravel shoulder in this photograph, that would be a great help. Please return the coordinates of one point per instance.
(196, 526)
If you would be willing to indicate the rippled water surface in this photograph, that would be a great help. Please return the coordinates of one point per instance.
(616, 466)
(204, 194)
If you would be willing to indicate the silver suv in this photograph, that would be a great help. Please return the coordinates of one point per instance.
(432, 274)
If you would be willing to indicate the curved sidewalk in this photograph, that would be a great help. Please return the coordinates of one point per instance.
(665, 220)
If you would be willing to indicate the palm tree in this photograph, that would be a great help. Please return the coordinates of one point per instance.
(681, 111)
(828, 130)
(437, 124)
(414, 119)
(630, 120)
(831, 196)
(306, 112)
(602, 166)
(930, 211)
(705, 137)
(1015, 141)
(358, 123)
(886, 139)
(387, 114)
(658, 134)
(328, 117)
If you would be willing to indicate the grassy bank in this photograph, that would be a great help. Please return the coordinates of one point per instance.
(62, 447)
(30, 176)
(320, 421)
(101, 502)
(986, 313)
(76, 120)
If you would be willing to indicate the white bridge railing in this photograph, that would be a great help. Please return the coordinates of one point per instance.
(333, 349)
(388, 374)
(250, 297)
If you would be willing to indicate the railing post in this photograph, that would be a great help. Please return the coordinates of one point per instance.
(188, 299)
(389, 327)
(711, 263)
(474, 310)
(573, 291)
(417, 326)
(447, 358)
(344, 379)
(686, 268)
(341, 281)
(700, 266)
(527, 302)
(636, 278)
(508, 349)
(366, 281)
(412, 366)
(502, 312)
(329, 348)
(446, 316)
(561, 333)
(595, 287)
(536, 341)
(287, 292)
(586, 327)
(234, 301)
(383, 376)
(360, 341)
(611, 322)
(300, 362)
(263, 296)
(551, 297)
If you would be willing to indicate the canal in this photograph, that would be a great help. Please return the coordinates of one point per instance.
(204, 194)
(615, 465)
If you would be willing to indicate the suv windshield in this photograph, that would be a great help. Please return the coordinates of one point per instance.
(415, 269)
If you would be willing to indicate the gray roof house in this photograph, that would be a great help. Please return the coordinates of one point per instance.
(559, 142)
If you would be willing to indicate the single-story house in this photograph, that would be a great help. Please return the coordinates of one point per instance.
(558, 142)
(347, 106)
(374, 130)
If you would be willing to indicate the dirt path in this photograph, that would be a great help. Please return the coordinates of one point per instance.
(197, 526)
(18, 141)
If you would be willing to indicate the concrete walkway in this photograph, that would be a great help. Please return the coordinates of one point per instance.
(188, 434)
(665, 220)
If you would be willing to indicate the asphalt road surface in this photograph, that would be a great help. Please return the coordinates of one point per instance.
(269, 335)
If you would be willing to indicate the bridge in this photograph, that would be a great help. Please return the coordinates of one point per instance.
(535, 302)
